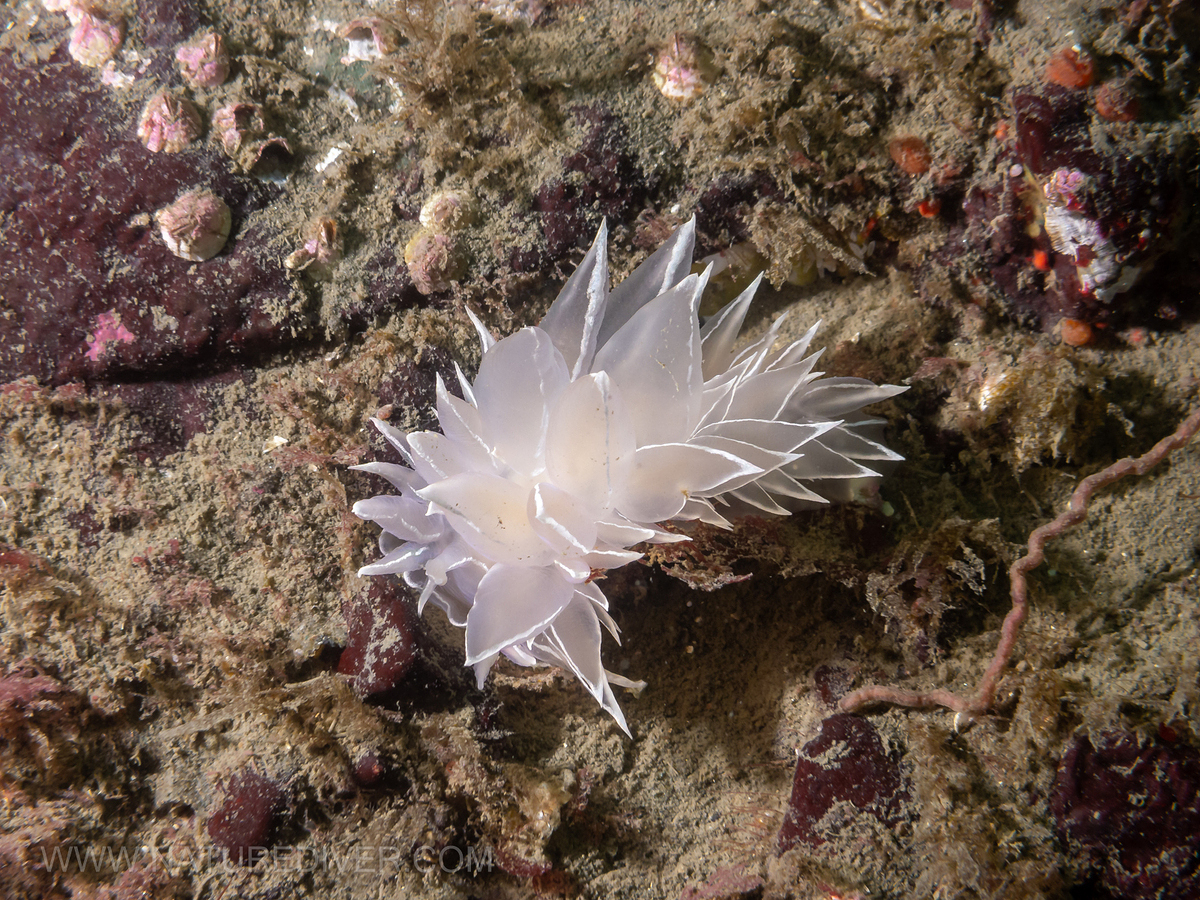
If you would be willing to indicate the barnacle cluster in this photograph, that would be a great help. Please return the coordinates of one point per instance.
(434, 255)
(579, 436)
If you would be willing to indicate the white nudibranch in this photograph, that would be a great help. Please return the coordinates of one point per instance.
(579, 436)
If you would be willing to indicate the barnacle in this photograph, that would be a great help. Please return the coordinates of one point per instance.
(168, 123)
(196, 226)
(580, 435)
(683, 68)
(97, 35)
(204, 61)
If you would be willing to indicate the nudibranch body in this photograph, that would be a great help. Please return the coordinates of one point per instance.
(580, 436)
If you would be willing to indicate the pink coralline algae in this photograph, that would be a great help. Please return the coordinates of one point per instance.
(108, 330)
(1074, 231)
(602, 179)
